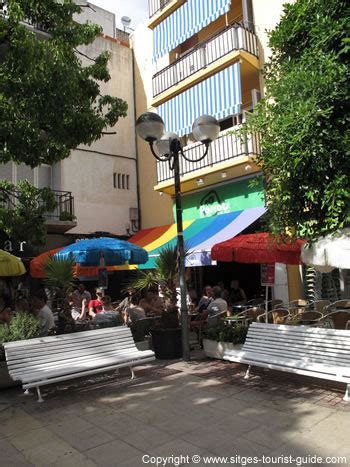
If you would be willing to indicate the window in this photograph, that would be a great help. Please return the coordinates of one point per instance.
(121, 181)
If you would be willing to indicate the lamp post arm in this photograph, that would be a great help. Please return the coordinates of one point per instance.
(165, 158)
(207, 144)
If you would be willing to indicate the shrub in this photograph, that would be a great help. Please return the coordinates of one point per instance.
(222, 333)
(22, 326)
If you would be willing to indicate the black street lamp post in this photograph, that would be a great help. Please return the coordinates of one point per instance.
(205, 129)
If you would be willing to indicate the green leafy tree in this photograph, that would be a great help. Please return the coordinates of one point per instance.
(303, 120)
(22, 211)
(49, 102)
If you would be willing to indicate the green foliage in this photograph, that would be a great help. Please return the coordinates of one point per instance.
(67, 216)
(50, 99)
(165, 273)
(22, 211)
(303, 120)
(49, 102)
(22, 326)
(59, 276)
(222, 333)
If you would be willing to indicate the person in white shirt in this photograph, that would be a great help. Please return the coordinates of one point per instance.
(43, 312)
(218, 305)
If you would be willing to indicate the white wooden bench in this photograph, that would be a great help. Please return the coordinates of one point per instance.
(304, 350)
(46, 360)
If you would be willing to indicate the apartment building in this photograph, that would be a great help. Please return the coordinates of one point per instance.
(96, 187)
(207, 58)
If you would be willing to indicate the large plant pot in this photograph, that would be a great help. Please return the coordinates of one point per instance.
(167, 343)
(214, 349)
(5, 379)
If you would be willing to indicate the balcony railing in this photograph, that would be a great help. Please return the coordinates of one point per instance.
(226, 147)
(154, 6)
(234, 37)
(65, 207)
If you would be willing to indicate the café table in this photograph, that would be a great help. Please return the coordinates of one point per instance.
(237, 320)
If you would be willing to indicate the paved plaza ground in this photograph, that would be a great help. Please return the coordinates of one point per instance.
(177, 411)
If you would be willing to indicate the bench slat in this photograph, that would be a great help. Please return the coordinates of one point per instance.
(298, 346)
(78, 336)
(292, 337)
(301, 329)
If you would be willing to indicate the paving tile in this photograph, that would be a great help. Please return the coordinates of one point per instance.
(113, 453)
(148, 438)
(49, 452)
(14, 420)
(10, 456)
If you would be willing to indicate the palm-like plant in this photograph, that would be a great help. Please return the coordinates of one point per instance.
(59, 276)
(164, 273)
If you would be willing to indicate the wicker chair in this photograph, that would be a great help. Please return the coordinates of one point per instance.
(320, 305)
(338, 319)
(279, 315)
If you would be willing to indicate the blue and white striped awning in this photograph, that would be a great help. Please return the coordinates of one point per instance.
(219, 96)
(190, 18)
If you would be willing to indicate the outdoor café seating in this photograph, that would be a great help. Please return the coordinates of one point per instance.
(338, 319)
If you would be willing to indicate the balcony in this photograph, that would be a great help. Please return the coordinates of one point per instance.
(62, 218)
(159, 9)
(233, 38)
(155, 6)
(226, 153)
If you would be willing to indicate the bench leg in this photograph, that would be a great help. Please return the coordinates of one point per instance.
(27, 392)
(40, 399)
(132, 373)
(246, 376)
(346, 397)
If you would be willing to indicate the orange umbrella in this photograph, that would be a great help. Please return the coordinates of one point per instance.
(37, 266)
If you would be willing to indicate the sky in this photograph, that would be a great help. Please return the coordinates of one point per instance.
(136, 10)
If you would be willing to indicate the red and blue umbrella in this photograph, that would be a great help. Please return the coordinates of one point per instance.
(103, 251)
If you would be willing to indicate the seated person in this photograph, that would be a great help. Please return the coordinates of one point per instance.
(95, 306)
(134, 312)
(107, 305)
(5, 310)
(43, 312)
(205, 299)
(108, 313)
(217, 306)
(125, 303)
(84, 298)
(74, 306)
(237, 295)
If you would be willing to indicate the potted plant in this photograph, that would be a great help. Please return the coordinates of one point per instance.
(220, 338)
(22, 326)
(166, 332)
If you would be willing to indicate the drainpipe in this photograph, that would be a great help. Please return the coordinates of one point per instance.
(136, 145)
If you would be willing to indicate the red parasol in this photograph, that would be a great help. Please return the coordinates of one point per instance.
(258, 248)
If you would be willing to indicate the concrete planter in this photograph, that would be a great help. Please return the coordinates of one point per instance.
(214, 349)
(5, 380)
